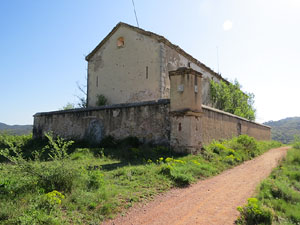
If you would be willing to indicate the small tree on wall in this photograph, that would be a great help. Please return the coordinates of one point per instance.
(230, 98)
(83, 97)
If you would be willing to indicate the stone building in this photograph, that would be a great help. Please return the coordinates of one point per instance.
(155, 90)
(132, 65)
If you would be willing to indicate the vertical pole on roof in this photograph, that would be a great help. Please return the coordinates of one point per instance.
(218, 59)
(137, 22)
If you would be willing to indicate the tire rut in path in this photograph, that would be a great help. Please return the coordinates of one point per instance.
(210, 201)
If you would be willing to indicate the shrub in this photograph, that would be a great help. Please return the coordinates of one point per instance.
(177, 172)
(254, 213)
(68, 106)
(249, 144)
(101, 100)
(81, 153)
(50, 200)
(58, 147)
(54, 176)
(217, 148)
(95, 180)
(296, 142)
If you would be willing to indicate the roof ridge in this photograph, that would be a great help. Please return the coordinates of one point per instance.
(159, 38)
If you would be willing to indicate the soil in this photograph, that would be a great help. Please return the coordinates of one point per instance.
(210, 201)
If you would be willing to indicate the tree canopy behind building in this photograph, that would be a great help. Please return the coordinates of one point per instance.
(230, 98)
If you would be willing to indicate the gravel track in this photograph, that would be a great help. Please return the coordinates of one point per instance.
(210, 201)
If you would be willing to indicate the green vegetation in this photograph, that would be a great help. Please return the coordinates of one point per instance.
(284, 130)
(68, 106)
(229, 98)
(278, 200)
(101, 100)
(55, 181)
(254, 213)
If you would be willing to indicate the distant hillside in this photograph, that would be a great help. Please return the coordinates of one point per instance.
(16, 129)
(285, 129)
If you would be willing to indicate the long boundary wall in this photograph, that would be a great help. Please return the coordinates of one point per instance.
(149, 121)
(217, 124)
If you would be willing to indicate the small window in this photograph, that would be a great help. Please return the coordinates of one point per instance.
(179, 127)
(120, 42)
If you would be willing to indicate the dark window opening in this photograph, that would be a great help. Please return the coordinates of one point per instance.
(146, 72)
(179, 126)
(239, 128)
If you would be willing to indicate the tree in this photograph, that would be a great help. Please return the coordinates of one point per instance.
(68, 106)
(83, 97)
(230, 98)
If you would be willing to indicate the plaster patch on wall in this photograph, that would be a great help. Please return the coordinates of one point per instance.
(98, 62)
(116, 112)
(139, 96)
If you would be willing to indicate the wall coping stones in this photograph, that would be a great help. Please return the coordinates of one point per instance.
(115, 106)
(137, 104)
(232, 115)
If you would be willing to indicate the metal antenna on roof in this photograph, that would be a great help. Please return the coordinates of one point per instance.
(137, 22)
(218, 59)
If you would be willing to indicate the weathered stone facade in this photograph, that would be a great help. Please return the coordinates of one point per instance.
(132, 65)
(181, 121)
(149, 121)
(217, 124)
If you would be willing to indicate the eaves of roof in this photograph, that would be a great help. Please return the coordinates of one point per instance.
(159, 38)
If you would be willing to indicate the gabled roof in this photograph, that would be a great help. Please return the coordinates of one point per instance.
(159, 38)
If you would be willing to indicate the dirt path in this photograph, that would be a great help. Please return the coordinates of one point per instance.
(211, 201)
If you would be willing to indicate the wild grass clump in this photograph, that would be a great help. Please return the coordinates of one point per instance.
(213, 159)
(280, 192)
(131, 149)
(237, 149)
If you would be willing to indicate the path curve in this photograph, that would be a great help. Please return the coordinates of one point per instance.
(210, 201)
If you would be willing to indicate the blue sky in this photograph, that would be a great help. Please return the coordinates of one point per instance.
(43, 45)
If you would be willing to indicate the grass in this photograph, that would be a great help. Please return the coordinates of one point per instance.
(278, 196)
(61, 182)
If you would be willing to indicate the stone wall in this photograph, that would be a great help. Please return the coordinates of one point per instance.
(217, 124)
(149, 121)
(193, 124)
(181, 122)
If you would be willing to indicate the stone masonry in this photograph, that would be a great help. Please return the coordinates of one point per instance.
(181, 122)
